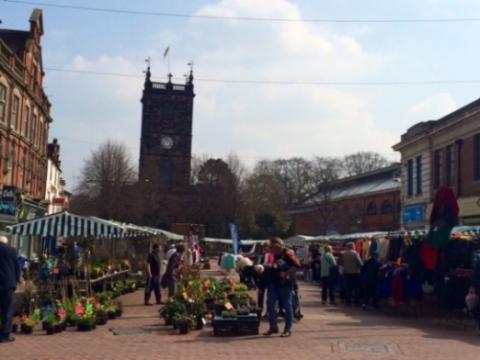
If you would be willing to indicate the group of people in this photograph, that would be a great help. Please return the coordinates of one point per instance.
(274, 277)
(358, 279)
(156, 278)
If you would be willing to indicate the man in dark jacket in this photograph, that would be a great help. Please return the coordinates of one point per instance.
(9, 277)
(370, 278)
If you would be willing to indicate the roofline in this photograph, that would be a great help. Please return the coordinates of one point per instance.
(308, 207)
(440, 123)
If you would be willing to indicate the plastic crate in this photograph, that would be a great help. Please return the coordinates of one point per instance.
(242, 326)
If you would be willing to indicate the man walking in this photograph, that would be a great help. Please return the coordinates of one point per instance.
(9, 277)
(281, 288)
(153, 275)
(352, 266)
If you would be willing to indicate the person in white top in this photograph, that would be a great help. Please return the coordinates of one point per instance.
(171, 251)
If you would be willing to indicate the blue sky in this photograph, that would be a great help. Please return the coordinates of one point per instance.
(257, 121)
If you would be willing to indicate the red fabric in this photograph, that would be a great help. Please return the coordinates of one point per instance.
(359, 246)
(398, 292)
(445, 207)
(428, 255)
(269, 259)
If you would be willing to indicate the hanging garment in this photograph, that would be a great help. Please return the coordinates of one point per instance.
(428, 255)
(443, 218)
(398, 291)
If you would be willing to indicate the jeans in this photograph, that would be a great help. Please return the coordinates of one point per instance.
(328, 289)
(153, 284)
(261, 291)
(6, 312)
(352, 288)
(283, 296)
(172, 287)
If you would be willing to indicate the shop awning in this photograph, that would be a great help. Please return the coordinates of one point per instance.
(65, 224)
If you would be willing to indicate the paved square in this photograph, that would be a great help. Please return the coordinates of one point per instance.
(326, 332)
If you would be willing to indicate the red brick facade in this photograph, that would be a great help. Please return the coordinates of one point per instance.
(365, 211)
(24, 111)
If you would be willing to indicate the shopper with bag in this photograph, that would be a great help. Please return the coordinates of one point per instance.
(329, 270)
(280, 290)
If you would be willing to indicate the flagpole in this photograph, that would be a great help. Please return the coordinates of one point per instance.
(168, 61)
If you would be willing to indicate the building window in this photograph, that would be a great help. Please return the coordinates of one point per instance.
(14, 114)
(26, 121)
(387, 207)
(34, 128)
(419, 175)
(439, 178)
(3, 102)
(372, 208)
(450, 165)
(476, 157)
(410, 178)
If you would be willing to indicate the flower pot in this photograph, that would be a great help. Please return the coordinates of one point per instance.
(85, 326)
(71, 322)
(26, 329)
(183, 328)
(14, 328)
(199, 323)
(111, 315)
(168, 321)
(119, 312)
(63, 325)
(102, 319)
(57, 328)
(50, 329)
(45, 325)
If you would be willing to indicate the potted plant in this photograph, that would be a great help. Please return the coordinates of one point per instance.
(118, 308)
(229, 314)
(16, 323)
(183, 322)
(102, 316)
(170, 309)
(28, 323)
(86, 322)
(111, 310)
(48, 323)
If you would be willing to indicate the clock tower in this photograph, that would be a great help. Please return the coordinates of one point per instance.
(166, 138)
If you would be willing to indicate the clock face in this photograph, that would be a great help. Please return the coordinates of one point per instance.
(166, 142)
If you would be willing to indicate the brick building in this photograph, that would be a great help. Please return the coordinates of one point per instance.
(24, 123)
(367, 202)
(443, 152)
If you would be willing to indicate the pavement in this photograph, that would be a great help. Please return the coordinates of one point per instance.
(326, 332)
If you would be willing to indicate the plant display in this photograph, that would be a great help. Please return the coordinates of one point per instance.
(197, 298)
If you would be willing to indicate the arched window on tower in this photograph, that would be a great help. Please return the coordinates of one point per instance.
(372, 208)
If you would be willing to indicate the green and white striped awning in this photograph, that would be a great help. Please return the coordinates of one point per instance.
(65, 224)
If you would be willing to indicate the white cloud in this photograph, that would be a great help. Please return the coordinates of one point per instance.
(253, 120)
(431, 108)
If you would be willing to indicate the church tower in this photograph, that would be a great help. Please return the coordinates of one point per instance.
(166, 138)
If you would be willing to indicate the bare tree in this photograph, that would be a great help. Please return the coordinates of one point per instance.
(197, 162)
(362, 162)
(107, 178)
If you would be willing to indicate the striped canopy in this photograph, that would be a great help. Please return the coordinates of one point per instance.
(65, 224)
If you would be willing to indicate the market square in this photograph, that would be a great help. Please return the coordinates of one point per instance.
(236, 178)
